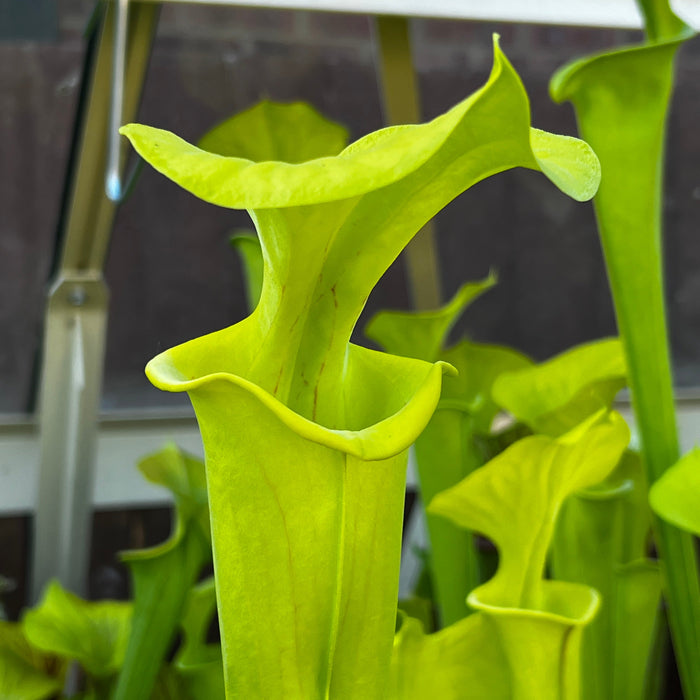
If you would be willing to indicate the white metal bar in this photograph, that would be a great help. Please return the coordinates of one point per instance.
(74, 510)
(73, 352)
(19, 460)
(621, 14)
(120, 444)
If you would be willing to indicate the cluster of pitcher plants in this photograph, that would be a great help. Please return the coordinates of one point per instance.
(306, 434)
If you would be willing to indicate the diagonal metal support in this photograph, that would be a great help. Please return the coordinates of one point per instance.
(76, 315)
(402, 106)
(88, 217)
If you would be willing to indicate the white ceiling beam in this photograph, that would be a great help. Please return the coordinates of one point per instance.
(621, 14)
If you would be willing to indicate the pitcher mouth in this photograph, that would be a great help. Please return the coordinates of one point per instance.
(561, 85)
(386, 433)
(569, 604)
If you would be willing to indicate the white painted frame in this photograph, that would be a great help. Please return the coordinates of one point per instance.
(622, 14)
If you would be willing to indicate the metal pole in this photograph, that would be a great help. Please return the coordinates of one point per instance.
(401, 105)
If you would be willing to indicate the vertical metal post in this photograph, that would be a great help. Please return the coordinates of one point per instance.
(70, 393)
(76, 317)
(402, 106)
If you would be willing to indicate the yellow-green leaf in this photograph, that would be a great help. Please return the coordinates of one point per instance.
(163, 575)
(676, 495)
(93, 634)
(554, 396)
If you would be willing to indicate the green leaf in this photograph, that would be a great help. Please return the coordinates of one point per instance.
(248, 247)
(569, 163)
(169, 686)
(93, 634)
(660, 21)
(163, 575)
(514, 500)
(637, 629)
(479, 367)
(529, 482)
(601, 540)
(676, 495)
(446, 450)
(610, 520)
(199, 664)
(305, 434)
(418, 608)
(377, 160)
(423, 334)
(184, 476)
(463, 660)
(25, 672)
(22, 681)
(196, 618)
(13, 640)
(293, 133)
(555, 396)
(621, 100)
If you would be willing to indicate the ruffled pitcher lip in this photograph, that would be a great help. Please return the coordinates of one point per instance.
(584, 599)
(381, 440)
(359, 168)
(562, 78)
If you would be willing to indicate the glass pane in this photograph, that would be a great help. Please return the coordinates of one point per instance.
(38, 89)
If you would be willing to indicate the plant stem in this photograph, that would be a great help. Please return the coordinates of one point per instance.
(659, 20)
(621, 101)
(642, 323)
